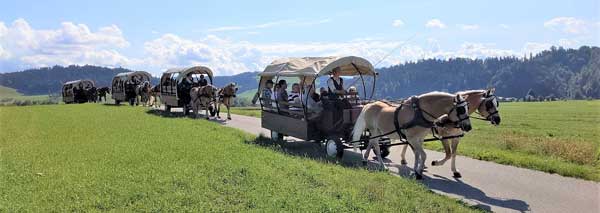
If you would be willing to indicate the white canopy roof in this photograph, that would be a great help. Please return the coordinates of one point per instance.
(196, 69)
(86, 82)
(318, 66)
(127, 75)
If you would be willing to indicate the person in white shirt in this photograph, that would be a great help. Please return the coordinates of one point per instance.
(335, 84)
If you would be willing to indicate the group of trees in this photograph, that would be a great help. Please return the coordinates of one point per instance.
(558, 72)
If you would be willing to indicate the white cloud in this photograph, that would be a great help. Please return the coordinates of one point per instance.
(24, 47)
(568, 43)
(504, 26)
(397, 23)
(289, 22)
(468, 26)
(567, 24)
(435, 23)
(535, 47)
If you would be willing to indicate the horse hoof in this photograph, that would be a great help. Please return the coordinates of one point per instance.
(457, 175)
(403, 162)
(228, 118)
(207, 118)
(418, 177)
(433, 163)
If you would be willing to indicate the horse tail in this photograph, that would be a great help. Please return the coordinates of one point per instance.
(361, 124)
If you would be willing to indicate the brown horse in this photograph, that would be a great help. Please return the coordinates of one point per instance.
(102, 93)
(143, 93)
(485, 103)
(226, 96)
(203, 97)
(412, 120)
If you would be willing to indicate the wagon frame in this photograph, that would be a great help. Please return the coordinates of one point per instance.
(67, 89)
(172, 77)
(119, 81)
(326, 128)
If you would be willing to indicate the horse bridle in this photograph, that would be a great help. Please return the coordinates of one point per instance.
(462, 112)
(491, 103)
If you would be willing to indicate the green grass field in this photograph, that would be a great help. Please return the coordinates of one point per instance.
(556, 137)
(92, 157)
(9, 95)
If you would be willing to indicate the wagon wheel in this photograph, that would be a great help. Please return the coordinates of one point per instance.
(276, 136)
(167, 108)
(118, 102)
(334, 148)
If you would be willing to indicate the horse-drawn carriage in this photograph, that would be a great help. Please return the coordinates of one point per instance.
(172, 95)
(77, 91)
(332, 123)
(125, 83)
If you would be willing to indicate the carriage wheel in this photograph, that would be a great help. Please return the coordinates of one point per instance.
(385, 151)
(276, 136)
(334, 148)
(167, 108)
(118, 102)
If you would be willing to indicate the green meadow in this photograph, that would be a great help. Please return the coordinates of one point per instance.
(93, 157)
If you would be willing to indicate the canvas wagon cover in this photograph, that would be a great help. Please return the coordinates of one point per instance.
(318, 66)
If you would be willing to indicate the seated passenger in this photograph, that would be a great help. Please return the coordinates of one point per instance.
(294, 97)
(313, 102)
(353, 94)
(202, 82)
(267, 93)
(282, 96)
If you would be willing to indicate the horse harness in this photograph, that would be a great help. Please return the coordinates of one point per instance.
(420, 120)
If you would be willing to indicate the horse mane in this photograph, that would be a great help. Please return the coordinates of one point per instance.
(471, 92)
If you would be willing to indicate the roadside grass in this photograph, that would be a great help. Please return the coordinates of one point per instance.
(92, 157)
(247, 111)
(555, 137)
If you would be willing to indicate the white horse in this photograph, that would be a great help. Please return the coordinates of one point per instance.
(203, 97)
(486, 105)
(411, 120)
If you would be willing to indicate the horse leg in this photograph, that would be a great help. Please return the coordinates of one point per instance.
(228, 106)
(403, 155)
(455, 171)
(446, 158)
(420, 156)
(218, 108)
(377, 150)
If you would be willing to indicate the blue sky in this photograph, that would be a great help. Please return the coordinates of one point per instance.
(239, 36)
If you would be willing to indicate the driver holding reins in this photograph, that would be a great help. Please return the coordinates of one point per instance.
(335, 84)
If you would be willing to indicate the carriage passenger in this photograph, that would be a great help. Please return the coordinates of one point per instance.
(184, 88)
(294, 97)
(202, 81)
(267, 93)
(313, 101)
(282, 95)
(335, 84)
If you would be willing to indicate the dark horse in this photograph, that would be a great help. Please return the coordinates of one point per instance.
(92, 94)
(102, 93)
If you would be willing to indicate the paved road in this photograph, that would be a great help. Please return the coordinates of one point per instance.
(491, 186)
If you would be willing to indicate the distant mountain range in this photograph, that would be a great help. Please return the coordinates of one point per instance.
(48, 80)
(557, 72)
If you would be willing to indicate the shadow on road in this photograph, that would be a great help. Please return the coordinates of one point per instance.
(465, 190)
